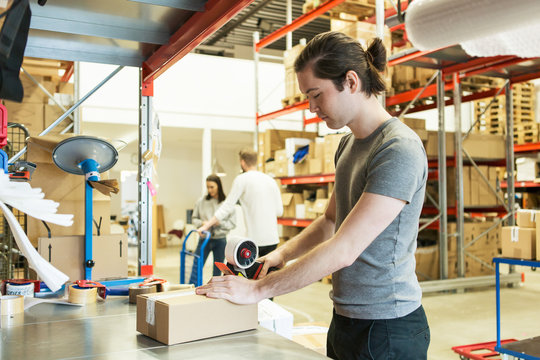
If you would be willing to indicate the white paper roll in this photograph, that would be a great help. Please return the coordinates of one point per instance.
(20, 289)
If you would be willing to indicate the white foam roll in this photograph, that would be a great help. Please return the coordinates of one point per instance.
(233, 251)
(432, 24)
(20, 289)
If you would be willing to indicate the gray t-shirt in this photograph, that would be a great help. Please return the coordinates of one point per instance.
(381, 283)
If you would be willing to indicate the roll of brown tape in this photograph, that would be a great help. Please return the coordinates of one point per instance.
(79, 295)
(11, 304)
(135, 290)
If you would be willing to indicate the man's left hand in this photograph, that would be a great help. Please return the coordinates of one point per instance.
(236, 289)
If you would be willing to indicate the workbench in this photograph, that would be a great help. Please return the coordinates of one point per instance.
(106, 330)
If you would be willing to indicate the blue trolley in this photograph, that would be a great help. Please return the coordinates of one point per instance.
(199, 257)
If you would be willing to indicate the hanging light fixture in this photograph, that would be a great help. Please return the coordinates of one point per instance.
(218, 169)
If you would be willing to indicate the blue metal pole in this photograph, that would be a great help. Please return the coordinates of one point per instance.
(90, 169)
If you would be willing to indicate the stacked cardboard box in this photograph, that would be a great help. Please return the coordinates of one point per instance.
(272, 140)
(521, 241)
(35, 112)
(331, 143)
(419, 127)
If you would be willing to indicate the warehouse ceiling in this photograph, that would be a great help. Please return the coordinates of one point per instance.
(265, 16)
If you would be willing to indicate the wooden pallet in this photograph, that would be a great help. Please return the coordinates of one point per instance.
(359, 8)
(291, 100)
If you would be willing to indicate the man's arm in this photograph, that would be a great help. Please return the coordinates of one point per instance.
(369, 217)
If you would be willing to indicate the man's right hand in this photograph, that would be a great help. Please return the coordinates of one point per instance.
(274, 259)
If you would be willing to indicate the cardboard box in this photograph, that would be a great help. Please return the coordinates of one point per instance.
(432, 145)
(427, 262)
(526, 218)
(66, 253)
(526, 169)
(50, 114)
(485, 146)
(28, 114)
(272, 140)
(180, 316)
(415, 123)
(331, 143)
(320, 206)
(309, 209)
(315, 166)
(290, 200)
(519, 243)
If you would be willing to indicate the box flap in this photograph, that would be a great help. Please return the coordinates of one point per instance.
(286, 198)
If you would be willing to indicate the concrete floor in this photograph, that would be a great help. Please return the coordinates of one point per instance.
(455, 318)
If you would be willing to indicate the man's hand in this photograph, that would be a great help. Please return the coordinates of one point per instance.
(236, 289)
(274, 259)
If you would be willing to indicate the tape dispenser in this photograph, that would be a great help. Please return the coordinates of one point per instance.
(240, 254)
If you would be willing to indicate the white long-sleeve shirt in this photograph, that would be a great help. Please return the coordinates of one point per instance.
(261, 204)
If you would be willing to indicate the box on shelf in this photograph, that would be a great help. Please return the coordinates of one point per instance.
(485, 146)
(290, 200)
(180, 316)
(414, 123)
(519, 243)
(272, 140)
(50, 114)
(309, 209)
(526, 168)
(28, 114)
(320, 206)
(427, 262)
(331, 143)
(432, 145)
(526, 218)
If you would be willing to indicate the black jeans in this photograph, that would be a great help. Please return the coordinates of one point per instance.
(264, 250)
(402, 338)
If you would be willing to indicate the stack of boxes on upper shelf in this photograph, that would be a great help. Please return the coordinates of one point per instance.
(36, 112)
(493, 119)
(521, 241)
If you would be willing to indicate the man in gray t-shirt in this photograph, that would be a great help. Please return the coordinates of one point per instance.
(391, 161)
(366, 237)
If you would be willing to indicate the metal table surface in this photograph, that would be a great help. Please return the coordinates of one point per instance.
(106, 330)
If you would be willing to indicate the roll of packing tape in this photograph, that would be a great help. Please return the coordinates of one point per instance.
(11, 304)
(20, 289)
(135, 290)
(241, 252)
(80, 295)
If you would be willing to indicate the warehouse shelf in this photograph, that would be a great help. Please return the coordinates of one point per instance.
(473, 211)
(531, 147)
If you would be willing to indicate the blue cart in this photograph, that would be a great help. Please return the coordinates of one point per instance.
(199, 257)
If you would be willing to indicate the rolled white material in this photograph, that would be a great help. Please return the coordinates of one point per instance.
(20, 289)
(433, 24)
(30, 201)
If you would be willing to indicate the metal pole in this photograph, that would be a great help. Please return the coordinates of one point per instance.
(69, 111)
(76, 96)
(510, 153)
(145, 197)
(443, 226)
(288, 37)
(459, 178)
(257, 110)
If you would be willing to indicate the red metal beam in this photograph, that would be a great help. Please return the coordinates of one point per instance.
(197, 29)
(287, 110)
(308, 179)
(496, 66)
(526, 147)
(294, 222)
(464, 99)
(431, 90)
(525, 77)
(297, 23)
(475, 64)
(313, 120)
(68, 73)
(412, 56)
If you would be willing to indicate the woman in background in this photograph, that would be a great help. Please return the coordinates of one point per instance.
(204, 210)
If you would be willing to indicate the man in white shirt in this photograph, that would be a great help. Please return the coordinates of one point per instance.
(260, 200)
